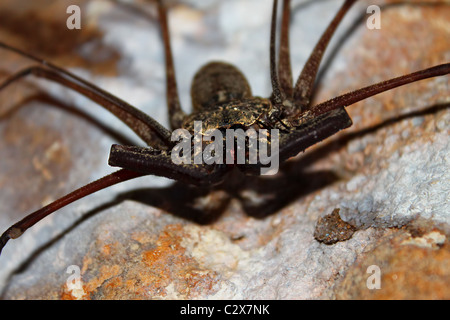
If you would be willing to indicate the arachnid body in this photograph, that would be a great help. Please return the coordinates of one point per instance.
(271, 116)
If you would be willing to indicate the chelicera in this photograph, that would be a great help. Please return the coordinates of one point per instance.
(222, 97)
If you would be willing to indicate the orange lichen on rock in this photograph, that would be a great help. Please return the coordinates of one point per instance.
(70, 294)
(106, 272)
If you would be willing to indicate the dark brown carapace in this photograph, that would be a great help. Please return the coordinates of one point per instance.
(221, 99)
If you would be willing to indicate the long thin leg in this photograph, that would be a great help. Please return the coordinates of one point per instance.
(364, 93)
(142, 124)
(176, 114)
(278, 95)
(305, 83)
(284, 59)
(138, 161)
(20, 227)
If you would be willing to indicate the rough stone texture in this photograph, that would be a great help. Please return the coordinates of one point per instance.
(331, 229)
(388, 174)
(410, 268)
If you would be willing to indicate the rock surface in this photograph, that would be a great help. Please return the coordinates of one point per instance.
(153, 239)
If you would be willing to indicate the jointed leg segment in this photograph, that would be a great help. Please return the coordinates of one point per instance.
(20, 227)
(142, 124)
(176, 114)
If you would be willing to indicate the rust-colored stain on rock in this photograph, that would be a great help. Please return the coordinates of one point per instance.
(407, 271)
(160, 269)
